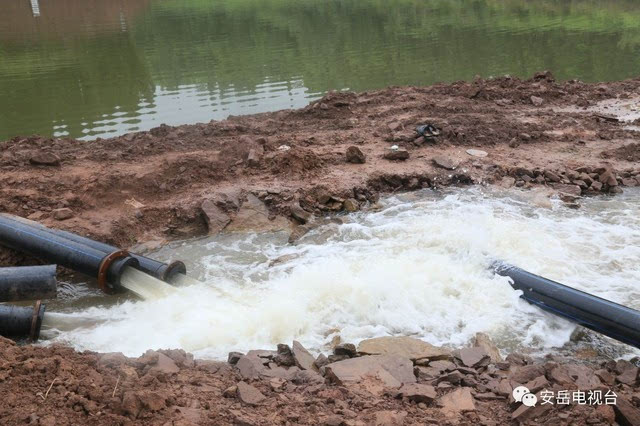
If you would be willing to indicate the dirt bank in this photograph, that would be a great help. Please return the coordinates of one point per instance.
(286, 170)
(262, 171)
(385, 381)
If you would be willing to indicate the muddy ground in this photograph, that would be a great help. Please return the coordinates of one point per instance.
(289, 170)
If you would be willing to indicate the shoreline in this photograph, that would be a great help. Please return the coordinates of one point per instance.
(280, 170)
(285, 171)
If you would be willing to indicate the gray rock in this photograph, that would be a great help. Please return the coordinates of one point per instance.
(348, 349)
(300, 214)
(477, 153)
(457, 401)
(355, 155)
(351, 205)
(62, 214)
(474, 357)
(44, 158)
(537, 101)
(445, 162)
(483, 341)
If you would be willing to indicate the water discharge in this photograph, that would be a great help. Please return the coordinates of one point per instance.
(144, 285)
(417, 267)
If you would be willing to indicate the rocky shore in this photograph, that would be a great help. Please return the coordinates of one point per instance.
(289, 171)
(281, 170)
(382, 381)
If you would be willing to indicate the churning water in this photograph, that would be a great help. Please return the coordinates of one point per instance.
(416, 267)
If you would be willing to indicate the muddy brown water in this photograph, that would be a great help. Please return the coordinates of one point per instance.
(102, 68)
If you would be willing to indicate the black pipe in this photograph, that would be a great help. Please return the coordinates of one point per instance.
(107, 268)
(28, 283)
(19, 322)
(153, 267)
(611, 319)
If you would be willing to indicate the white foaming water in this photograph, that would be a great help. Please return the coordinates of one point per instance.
(418, 267)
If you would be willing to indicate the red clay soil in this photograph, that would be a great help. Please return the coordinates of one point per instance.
(281, 170)
(57, 386)
(150, 186)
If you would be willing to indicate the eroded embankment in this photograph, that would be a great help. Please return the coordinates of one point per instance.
(276, 170)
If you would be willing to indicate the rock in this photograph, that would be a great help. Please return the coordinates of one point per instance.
(474, 357)
(249, 394)
(303, 359)
(407, 347)
(572, 190)
(253, 216)
(300, 214)
(527, 373)
(537, 101)
(307, 377)
(457, 401)
(392, 370)
(445, 162)
(483, 341)
(477, 153)
(537, 384)
(321, 361)
(284, 356)
(629, 376)
(507, 182)
(250, 367)
(62, 214)
(626, 413)
(234, 357)
(351, 205)
(608, 178)
(417, 392)
(551, 176)
(253, 158)
(348, 349)
(165, 365)
(45, 158)
(629, 182)
(230, 392)
(355, 155)
(215, 217)
(596, 186)
(399, 154)
(524, 412)
(389, 418)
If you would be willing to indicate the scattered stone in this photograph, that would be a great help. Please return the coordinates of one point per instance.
(484, 341)
(507, 182)
(347, 349)
(392, 370)
(284, 357)
(527, 373)
(230, 392)
(249, 394)
(596, 186)
(234, 357)
(300, 214)
(608, 178)
(355, 155)
(389, 418)
(629, 376)
(572, 190)
(457, 401)
(626, 413)
(215, 217)
(536, 101)
(63, 213)
(537, 384)
(551, 176)
(303, 359)
(399, 154)
(253, 158)
(254, 216)
(408, 347)
(418, 392)
(474, 357)
(321, 361)
(629, 182)
(445, 162)
(477, 153)
(351, 205)
(45, 158)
